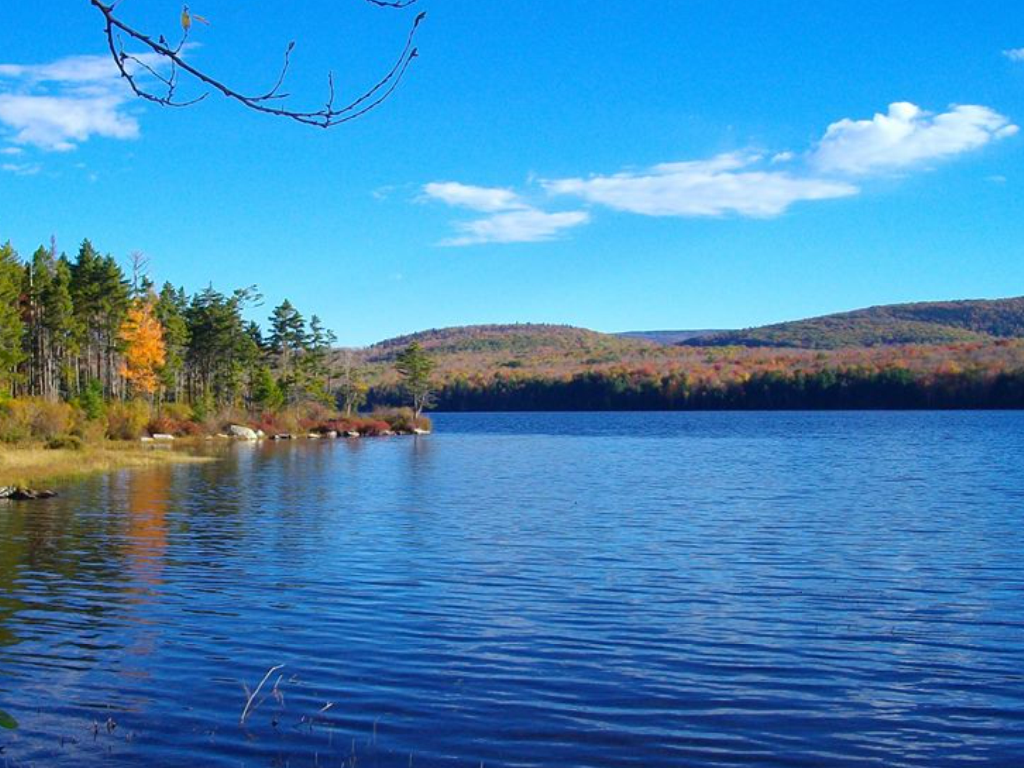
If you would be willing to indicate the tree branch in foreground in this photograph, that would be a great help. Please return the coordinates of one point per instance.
(165, 63)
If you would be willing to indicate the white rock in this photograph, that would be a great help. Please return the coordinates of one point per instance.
(159, 437)
(242, 433)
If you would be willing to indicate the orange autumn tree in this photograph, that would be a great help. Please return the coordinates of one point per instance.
(144, 349)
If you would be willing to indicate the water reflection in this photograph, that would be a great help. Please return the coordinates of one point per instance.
(651, 590)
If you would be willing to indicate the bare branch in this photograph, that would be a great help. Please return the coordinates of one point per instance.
(131, 65)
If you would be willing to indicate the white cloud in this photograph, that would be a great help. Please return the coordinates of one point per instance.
(483, 199)
(1014, 54)
(58, 123)
(523, 226)
(906, 136)
(21, 169)
(58, 105)
(512, 219)
(739, 183)
(12, 151)
(726, 184)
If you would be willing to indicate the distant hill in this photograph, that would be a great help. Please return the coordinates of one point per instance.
(668, 337)
(473, 347)
(942, 322)
(534, 349)
(962, 354)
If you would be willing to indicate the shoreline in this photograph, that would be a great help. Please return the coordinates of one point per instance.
(33, 465)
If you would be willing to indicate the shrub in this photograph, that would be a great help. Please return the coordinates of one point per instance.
(312, 415)
(50, 419)
(168, 425)
(401, 419)
(34, 418)
(13, 427)
(90, 431)
(188, 429)
(371, 427)
(177, 411)
(127, 421)
(64, 442)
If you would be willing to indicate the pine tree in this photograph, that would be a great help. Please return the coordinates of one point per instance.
(287, 341)
(266, 394)
(59, 321)
(100, 294)
(415, 366)
(38, 275)
(170, 309)
(11, 326)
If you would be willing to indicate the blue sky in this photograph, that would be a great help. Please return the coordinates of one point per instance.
(616, 166)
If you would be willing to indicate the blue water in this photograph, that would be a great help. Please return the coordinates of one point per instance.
(563, 590)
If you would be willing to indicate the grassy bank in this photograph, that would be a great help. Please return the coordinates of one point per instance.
(36, 466)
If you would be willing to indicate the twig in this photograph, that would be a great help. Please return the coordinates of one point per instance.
(254, 694)
(270, 101)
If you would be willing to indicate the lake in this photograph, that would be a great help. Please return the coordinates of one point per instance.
(560, 590)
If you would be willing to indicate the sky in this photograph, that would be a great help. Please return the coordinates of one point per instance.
(616, 166)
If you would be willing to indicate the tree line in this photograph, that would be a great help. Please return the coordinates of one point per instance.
(832, 388)
(80, 329)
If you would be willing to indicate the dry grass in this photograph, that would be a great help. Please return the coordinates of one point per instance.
(32, 466)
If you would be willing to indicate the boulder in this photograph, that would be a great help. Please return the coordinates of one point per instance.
(330, 434)
(283, 436)
(161, 438)
(351, 433)
(418, 431)
(145, 439)
(242, 433)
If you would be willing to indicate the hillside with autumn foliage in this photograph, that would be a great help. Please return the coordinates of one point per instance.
(549, 367)
(944, 322)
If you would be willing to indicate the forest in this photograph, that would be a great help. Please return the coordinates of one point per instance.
(544, 367)
(88, 350)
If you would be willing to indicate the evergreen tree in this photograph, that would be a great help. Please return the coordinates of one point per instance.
(170, 308)
(11, 326)
(59, 320)
(266, 394)
(287, 341)
(415, 366)
(38, 275)
(220, 349)
(100, 295)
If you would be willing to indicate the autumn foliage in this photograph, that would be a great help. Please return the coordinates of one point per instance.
(144, 349)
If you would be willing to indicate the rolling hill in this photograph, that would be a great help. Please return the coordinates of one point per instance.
(962, 354)
(522, 345)
(945, 322)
